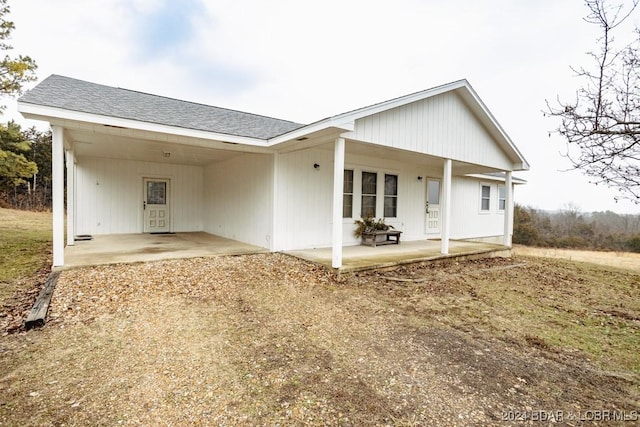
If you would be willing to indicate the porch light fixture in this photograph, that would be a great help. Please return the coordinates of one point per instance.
(166, 154)
(419, 178)
(316, 166)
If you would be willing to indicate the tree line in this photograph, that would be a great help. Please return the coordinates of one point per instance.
(25, 167)
(570, 228)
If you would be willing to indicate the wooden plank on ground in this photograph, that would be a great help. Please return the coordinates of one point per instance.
(39, 310)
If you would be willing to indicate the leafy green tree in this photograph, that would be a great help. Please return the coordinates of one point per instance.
(15, 168)
(40, 154)
(14, 71)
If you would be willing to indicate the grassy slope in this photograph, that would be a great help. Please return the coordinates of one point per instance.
(25, 247)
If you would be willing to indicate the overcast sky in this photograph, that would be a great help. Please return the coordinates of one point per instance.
(306, 60)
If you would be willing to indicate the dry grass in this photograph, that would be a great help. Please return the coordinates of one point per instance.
(267, 340)
(25, 248)
(626, 260)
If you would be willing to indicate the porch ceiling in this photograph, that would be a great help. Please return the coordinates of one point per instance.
(409, 157)
(92, 144)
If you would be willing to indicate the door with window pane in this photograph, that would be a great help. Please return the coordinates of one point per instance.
(156, 206)
(432, 210)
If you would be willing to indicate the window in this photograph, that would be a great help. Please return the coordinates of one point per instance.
(485, 198)
(390, 196)
(347, 197)
(369, 188)
(502, 197)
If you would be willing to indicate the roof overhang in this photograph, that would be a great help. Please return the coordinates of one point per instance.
(70, 119)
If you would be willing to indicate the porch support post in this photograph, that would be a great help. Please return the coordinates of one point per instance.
(275, 218)
(508, 209)
(445, 207)
(57, 193)
(71, 190)
(338, 187)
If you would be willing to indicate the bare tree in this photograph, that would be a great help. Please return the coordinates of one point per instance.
(602, 125)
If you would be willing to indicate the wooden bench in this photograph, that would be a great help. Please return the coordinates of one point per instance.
(370, 238)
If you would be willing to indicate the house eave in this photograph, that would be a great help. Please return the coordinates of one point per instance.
(60, 116)
(486, 177)
(303, 133)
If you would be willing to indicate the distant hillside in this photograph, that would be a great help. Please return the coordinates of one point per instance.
(570, 228)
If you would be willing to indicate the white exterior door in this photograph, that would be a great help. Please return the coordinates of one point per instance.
(157, 212)
(432, 209)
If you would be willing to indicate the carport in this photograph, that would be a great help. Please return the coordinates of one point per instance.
(130, 248)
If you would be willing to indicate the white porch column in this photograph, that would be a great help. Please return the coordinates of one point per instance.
(508, 209)
(338, 188)
(71, 190)
(57, 193)
(276, 227)
(445, 207)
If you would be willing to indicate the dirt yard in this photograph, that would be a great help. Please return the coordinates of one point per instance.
(272, 340)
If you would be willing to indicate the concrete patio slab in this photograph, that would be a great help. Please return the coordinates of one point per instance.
(357, 258)
(129, 248)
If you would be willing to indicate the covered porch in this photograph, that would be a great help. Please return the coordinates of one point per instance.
(132, 248)
(358, 258)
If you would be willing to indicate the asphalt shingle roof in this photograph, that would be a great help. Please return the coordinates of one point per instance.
(78, 95)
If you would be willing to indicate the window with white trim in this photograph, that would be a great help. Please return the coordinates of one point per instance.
(347, 196)
(502, 197)
(369, 193)
(485, 198)
(390, 196)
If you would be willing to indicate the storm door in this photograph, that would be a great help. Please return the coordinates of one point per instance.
(432, 209)
(156, 206)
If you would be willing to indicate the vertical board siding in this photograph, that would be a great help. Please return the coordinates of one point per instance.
(238, 198)
(109, 195)
(304, 201)
(467, 221)
(441, 126)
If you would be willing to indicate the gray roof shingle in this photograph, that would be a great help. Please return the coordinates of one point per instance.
(78, 95)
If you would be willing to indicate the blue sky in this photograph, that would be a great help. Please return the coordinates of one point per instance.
(306, 60)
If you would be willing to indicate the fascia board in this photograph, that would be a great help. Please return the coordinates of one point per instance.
(347, 120)
(38, 112)
(398, 102)
(494, 123)
(495, 178)
(345, 125)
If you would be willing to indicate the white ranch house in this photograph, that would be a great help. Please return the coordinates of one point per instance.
(435, 164)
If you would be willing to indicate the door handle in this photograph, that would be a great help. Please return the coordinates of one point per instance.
(144, 205)
(427, 208)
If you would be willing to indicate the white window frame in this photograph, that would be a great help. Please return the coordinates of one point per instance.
(376, 194)
(482, 198)
(502, 199)
(394, 196)
(357, 191)
(352, 194)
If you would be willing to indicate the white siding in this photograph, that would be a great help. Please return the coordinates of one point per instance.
(467, 220)
(441, 126)
(238, 199)
(109, 195)
(305, 200)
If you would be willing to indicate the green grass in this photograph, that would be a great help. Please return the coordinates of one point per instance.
(566, 306)
(25, 247)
